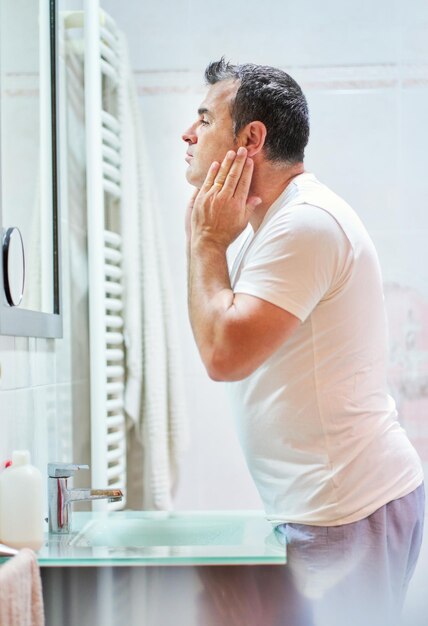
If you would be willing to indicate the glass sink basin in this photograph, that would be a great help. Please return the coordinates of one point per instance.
(128, 538)
(173, 531)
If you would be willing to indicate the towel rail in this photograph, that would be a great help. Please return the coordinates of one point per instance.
(114, 338)
(111, 188)
(112, 304)
(109, 120)
(112, 255)
(114, 405)
(113, 321)
(108, 54)
(115, 421)
(114, 470)
(110, 138)
(113, 271)
(109, 23)
(107, 36)
(114, 289)
(113, 438)
(112, 239)
(109, 71)
(111, 155)
(111, 172)
(115, 454)
(112, 354)
(103, 150)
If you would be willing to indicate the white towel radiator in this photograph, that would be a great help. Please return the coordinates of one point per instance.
(103, 153)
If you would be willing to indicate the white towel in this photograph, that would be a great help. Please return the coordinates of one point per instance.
(21, 600)
(154, 393)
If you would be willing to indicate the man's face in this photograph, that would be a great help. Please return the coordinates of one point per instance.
(211, 135)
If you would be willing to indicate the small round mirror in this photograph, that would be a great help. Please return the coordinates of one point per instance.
(13, 266)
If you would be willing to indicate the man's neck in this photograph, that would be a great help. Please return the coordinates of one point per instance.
(269, 181)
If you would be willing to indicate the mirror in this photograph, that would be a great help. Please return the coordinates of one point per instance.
(13, 266)
(28, 169)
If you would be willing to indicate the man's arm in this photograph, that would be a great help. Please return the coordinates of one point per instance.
(235, 333)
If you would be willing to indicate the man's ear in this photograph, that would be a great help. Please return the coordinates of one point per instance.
(253, 137)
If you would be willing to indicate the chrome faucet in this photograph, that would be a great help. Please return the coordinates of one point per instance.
(61, 496)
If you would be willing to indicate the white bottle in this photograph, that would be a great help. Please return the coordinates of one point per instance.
(21, 510)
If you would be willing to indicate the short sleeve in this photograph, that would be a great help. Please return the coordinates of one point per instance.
(297, 259)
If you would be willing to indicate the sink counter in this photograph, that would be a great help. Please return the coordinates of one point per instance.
(186, 568)
(156, 538)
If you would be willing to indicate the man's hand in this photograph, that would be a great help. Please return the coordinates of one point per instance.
(235, 333)
(221, 209)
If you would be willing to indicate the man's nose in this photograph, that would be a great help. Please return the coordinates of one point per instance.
(189, 136)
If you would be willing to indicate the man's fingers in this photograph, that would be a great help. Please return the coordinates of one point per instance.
(209, 179)
(235, 172)
(243, 185)
(194, 196)
(232, 177)
(223, 172)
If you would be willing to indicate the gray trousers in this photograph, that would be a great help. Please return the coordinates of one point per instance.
(355, 574)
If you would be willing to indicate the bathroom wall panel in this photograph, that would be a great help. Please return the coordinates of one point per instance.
(272, 32)
(17, 417)
(80, 433)
(412, 39)
(403, 256)
(407, 265)
(7, 414)
(59, 411)
(206, 480)
(353, 148)
(7, 363)
(22, 370)
(412, 153)
(43, 361)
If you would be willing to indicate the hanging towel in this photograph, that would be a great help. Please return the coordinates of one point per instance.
(154, 391)
(21, 600)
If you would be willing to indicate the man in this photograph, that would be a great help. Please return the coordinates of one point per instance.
(292, 316)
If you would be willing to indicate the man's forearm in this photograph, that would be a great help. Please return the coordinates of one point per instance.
(210, 296)
(217, 214)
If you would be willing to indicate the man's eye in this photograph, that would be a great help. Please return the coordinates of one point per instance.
(204, 122)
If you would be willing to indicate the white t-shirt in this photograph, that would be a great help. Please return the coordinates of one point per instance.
(316, 423)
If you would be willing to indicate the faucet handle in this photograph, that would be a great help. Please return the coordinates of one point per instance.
(64, 470)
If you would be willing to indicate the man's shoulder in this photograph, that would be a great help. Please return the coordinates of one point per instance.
(315, 206)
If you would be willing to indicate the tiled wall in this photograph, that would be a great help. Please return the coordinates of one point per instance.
(44, 383)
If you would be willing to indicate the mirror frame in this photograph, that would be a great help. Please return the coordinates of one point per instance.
(25, 322)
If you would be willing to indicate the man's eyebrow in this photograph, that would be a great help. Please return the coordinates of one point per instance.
(203, 110)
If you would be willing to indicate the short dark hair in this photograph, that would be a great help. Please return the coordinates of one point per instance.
(271, 96)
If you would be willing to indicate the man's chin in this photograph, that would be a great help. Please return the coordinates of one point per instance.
(193, 178)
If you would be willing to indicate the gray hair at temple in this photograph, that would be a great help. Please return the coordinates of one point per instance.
(269, 95)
